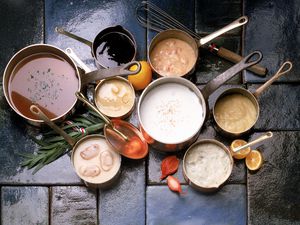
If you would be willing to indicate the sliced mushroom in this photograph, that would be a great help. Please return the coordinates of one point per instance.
(106, 160)
(90, 152)
(90, 171)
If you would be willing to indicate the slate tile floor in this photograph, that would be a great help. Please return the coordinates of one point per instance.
(55, 195)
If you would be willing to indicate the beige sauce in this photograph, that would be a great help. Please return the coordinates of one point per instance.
(207, 165)
(235, 113)
(172, 57)
(95, 162)
(115, 97)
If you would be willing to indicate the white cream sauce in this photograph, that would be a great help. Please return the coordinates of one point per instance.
(235, 113)
(101, 167)
(171, 113)
(207, 165)
(172, 57)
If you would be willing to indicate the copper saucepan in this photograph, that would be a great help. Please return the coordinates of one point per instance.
(100, 165)
(45, 75)
(172, 110)
(174, 52)
(236, 109)
(113, 46)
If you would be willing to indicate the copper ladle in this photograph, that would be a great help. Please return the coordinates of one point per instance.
(121, 135)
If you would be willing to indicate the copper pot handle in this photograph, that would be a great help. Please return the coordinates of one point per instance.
(60, 30)
(285, 68)
(38, 112)
(246, 62)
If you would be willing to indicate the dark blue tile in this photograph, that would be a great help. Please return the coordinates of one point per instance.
(279, 107)
(154, 164)
(273, 29)
(73, 205)
(124, 203)
(212, 15)
(274, 191)
(227, 206)
(15, 139)
(21, 25)
(86, 19)
(210, 66)
(24, 205)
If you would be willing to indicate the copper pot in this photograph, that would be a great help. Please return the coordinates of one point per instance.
(237, 125)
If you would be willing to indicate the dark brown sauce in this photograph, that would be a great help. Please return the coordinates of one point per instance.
(114, 49)
(46, 80)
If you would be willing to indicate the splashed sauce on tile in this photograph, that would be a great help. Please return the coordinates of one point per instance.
(46, 80)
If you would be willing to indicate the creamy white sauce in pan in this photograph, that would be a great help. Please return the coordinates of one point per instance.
(171, 113)
(95, 161)
(207, 165)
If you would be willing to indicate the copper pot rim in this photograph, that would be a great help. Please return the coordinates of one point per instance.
(125, 115)
(195, 184)
(184, 82)
(157, 36)
(6, 77)
(247, 94)
(75, 148)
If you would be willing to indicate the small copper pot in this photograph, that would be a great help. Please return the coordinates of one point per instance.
(195, 44)
(193, 183)
(96, 42)
(253, 97)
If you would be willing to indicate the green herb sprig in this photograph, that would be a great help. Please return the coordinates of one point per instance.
(52, 146)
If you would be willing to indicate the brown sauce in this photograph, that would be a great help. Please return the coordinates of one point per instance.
(46, 80)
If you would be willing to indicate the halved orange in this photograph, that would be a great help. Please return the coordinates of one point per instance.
(254, 160)
(240, 154)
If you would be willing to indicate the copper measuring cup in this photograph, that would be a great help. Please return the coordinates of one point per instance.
(252, 97)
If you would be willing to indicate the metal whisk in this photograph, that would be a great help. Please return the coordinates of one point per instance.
(158, 19)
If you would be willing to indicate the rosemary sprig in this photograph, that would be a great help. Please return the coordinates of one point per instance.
(52, 146)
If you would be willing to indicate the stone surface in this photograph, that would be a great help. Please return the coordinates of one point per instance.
(273, 28)
(279, 107)
(24, 205)
(227, 206)
(22, 22)
(211, 15)
(274, 190)
(210, 66)
(73, 205)
(15, 140)
(124, 203)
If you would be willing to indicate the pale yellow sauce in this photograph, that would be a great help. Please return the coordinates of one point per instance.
(172, 57)
(235, 113)
(99, 168)
(207, 165)
(115, 97)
